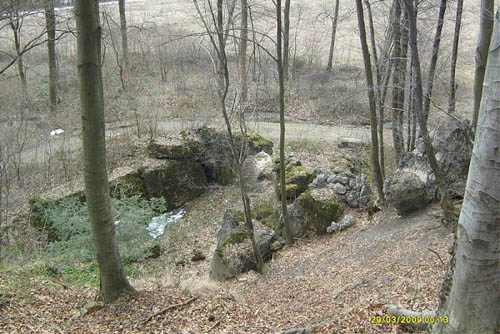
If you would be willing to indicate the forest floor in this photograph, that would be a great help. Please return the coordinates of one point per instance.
(332, 283)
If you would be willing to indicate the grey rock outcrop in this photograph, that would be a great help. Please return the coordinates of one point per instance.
(234, 253)
(413, 186)
(353, 190)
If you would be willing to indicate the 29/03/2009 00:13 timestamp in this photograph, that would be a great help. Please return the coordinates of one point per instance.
(408, 320)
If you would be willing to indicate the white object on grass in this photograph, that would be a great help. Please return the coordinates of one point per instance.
(56, 132)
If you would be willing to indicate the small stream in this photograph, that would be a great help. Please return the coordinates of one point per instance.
(158, 224)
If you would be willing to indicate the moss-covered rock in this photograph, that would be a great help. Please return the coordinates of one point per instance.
(256, 143)
(297, 181)
(177, 181)
(234, 253)
(314, 211)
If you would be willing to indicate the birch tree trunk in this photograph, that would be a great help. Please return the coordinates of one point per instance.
(483, 45)
(112, 278)
(334, 33)
(473, 302)
(50, 22)
(454, 56)
(372, 102)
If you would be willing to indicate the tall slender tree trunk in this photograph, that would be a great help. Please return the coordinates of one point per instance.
(243, 53)
(398, 74)
(50, 21)
(123, 31)
(473, 302)
(446, 203)
(15, 25)
(434, 59)
(454, 56)
(333, 36)
(483, 45)
(281, 76)
(112, 278)
(379, 181)
(381, 87)
(286, 39)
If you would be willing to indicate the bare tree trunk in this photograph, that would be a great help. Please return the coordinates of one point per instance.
(334, 33)
(398, 75)
(281, 75)
(238, 154)
(286, 39)
(123, 31)
(473, 302)
(243, 53)
(446, 203)
(434, 59)
(454, 56)
(50, 21)
(112, 278)
(381, 87)
(16, 24)
(379, 181)
(485, 32)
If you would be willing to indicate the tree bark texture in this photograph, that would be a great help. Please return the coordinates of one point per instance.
(333, 36)
(123, 31)
(483, 45)
(281, 75)
(372, 102)
(398, 75)
(473, 302)
(50, 22)
(112, 278)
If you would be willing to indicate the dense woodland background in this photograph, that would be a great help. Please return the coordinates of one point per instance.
(343, 85)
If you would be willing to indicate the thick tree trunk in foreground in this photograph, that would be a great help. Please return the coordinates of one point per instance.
(446, 203)
(334, 34)
(473, 303)
(112, 278)
(433, 63)
(50, 22)
(454, 56)
(371, 100)
(281, 74)
(483, 45)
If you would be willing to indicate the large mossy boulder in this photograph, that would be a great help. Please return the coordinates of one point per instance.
(234, 253)
(297, 178)
(177, 181)
(313, 211)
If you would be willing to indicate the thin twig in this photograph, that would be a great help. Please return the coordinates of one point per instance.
(439, 257)
(171, 307)
(217, 323)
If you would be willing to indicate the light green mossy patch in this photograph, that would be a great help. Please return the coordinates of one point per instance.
(128, 185)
